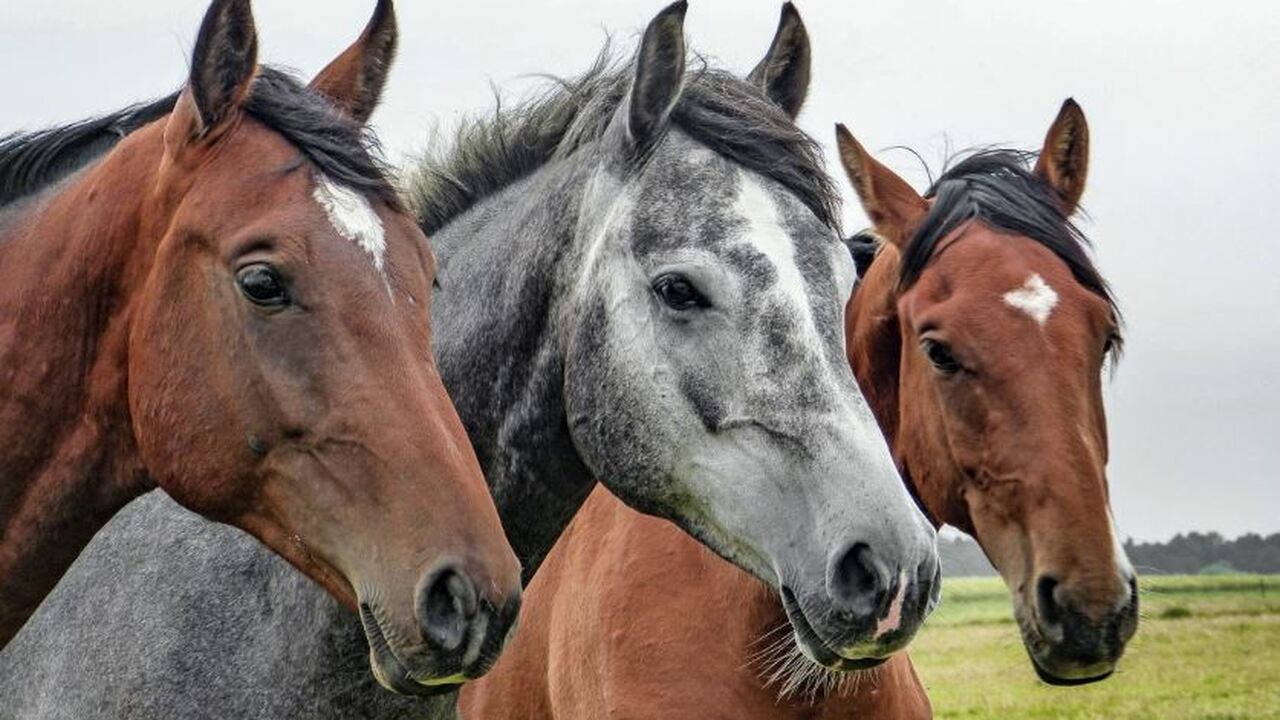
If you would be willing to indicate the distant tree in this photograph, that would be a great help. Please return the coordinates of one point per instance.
(1184, 553)
(1194, 551)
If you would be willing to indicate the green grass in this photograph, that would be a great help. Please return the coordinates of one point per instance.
(1208, 648)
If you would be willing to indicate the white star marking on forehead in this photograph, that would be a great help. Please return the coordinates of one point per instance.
(766, 233)
(1034, 298)
(354, 219)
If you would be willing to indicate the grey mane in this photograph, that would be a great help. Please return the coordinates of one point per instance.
(718, 109)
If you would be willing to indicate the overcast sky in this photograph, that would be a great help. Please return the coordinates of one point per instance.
(1183, 101)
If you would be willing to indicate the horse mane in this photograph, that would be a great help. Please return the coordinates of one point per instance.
(339, 147)
(726, 113)
(997, 187)
(30, 162)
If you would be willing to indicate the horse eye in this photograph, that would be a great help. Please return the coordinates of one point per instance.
(262, 285)
(678, 293)
(941, 357)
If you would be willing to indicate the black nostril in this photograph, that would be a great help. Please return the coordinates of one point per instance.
(1046, 603)
(858, 582)
(446, 605)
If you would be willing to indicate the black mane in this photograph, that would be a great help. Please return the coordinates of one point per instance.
(726, 113)
(30, 162)
(339, 147)
(998, 188)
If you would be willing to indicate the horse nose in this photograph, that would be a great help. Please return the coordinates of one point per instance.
(1049, 608)
(860, 583)
(1074, 633)
(446, 607)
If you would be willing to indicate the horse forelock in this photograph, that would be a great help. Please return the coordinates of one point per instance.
(996, 187)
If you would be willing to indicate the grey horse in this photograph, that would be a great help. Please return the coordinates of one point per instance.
(641, 280)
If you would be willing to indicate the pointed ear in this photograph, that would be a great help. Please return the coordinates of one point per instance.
(659, 75)
(354, 81)
(223, 63)
(894, 207)
(1064, 161)
(783, 74)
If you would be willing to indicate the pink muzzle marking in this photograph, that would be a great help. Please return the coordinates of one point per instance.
(894, 617)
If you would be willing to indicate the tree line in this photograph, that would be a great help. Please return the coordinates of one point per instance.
(1185, 554)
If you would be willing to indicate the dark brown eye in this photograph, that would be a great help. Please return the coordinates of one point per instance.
(940, 356)
(262, 285)
(678, 293)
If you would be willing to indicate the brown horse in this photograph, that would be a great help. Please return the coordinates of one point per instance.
(232, 304)
(979, 334)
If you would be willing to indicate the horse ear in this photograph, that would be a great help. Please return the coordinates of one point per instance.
(1064, 161)
(223, 64)
(863, 247)
(783, 74)
(355, 79)
(894, 207)
(659, 75)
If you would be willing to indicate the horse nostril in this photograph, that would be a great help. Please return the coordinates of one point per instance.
(446, 605)
(859, 583)
(935, 584)
(1047, 605)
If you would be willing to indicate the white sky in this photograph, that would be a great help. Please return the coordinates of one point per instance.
(1183, 101)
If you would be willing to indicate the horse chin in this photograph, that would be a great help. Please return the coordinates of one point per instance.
(1059, 674)
(1086, 677)
(391, 673)
(813, 647)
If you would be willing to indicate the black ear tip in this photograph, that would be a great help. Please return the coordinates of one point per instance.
(228, 13)
(241, 9)
(384, 17)
(227, 19)
(679, 7)
(789, 12)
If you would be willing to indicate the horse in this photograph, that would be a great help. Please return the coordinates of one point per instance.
(978, 332)
(641, 280)
(220, 294)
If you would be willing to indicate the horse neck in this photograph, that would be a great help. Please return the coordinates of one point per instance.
(875, 354)
(69, 262)
(875, 341)
(496, 321)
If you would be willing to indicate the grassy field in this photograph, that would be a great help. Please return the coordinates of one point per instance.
(1208, 648)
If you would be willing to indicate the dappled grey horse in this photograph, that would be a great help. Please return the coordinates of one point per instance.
(641, 281)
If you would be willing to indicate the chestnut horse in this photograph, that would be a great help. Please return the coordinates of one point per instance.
(233, 305)
(979, 334)
(641, 281)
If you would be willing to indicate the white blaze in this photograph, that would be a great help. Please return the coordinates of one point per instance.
(354, 219)
(765, 231)
(1034, 298)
